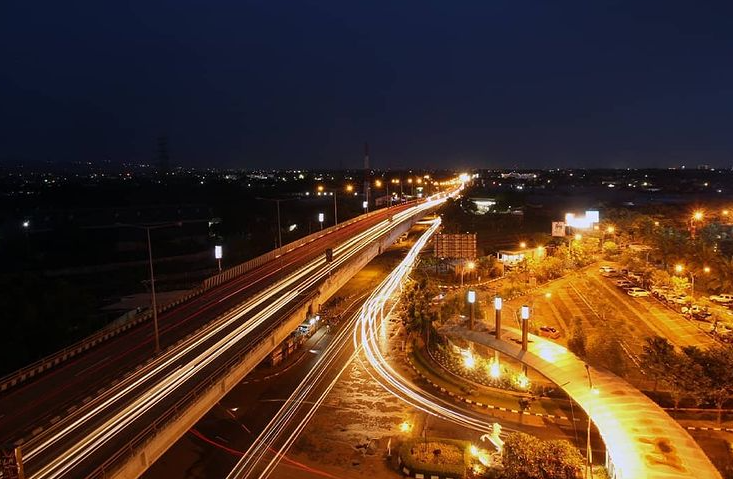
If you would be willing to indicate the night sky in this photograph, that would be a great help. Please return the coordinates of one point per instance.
(428, 83)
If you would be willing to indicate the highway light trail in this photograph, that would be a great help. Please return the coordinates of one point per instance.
(366, 336)
(81, 436)
(299, 408)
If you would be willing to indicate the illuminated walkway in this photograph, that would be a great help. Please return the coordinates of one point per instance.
(642, 440)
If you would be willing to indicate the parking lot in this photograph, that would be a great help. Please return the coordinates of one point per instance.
(605, 308)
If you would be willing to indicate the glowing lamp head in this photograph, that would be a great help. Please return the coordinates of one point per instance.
(364, 204)
(471, 296)
(497, 303)
(217, 252)
(610, 229)
(26, 224)
(706, 269)
(378, 183)
(525, 312)
(320, 188)
(523, 245)
(697, 215)
(726, 212)
(678, 268)
(578, 237)
(470, 265)
(405, 427)
(349, 188)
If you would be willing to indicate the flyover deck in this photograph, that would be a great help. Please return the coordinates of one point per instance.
(641, 439)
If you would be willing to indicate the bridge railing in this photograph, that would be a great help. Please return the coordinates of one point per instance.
(38, 367)
(180, 406)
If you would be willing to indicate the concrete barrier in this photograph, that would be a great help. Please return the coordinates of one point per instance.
(133, 459)
(32, 370)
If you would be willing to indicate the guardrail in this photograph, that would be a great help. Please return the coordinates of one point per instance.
(34, 369)
(180, 406)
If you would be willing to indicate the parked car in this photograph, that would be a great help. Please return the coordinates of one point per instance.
(677, 299)
(722, 298)
(637, 292)
(660, 291)
(607, 269)
(549, 332)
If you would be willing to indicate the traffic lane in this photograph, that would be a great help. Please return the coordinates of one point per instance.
(129, 429)
(115, 439)
(90, 372)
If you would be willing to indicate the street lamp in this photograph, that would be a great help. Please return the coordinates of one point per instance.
(152, 274)
(321, 217)
(522, 245)
(696, 216)
(578, 237)
(365, 204)
(26, 224)
(218, 255)
(679, 269)
(497, 317)
(589, 450)
(471, 300)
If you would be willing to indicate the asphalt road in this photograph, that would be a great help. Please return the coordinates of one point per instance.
(84, 438)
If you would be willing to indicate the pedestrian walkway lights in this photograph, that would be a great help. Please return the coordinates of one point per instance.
(497, 311)
(471, 301)
(525, 327)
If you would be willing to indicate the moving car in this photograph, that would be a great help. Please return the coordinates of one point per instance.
(637, 292)
(722, 298)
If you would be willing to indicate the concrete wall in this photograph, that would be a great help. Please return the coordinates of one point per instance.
(140, 459)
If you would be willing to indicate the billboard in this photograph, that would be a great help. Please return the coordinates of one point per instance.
(558, 228)
(456, 246)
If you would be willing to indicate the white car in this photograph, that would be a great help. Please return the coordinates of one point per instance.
(722, 298)
(606, 269)
(637, 292)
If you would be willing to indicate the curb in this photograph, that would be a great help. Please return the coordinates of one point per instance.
(480, 404)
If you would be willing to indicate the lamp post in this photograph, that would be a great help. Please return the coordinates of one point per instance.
(218, 255)
(679, 269)
(589, 449)
(525, 331)
(471, 300)
(497, 324)
(696, 216)
(152, 274)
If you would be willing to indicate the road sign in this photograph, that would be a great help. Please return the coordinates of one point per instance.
(558, 228)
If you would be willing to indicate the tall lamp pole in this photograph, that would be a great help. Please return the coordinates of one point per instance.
(152, 274)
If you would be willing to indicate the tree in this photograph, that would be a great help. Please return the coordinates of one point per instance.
(716, 367)
(604, 349)
(560, 459)
(527, 457)
(577, 340)
(722, 279)
(657, 358)
(610, 249)
(420, 313)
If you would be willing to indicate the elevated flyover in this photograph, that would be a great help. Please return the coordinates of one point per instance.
(121, 428)
(642, 441)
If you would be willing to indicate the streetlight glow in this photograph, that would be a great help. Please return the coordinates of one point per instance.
(349, 188)
(378, 183)
(525, 312)
(679, 268)
(698, 215)
(523, 245)
(217, 252)
(497, 303)
(471, 296)
(578, 237)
